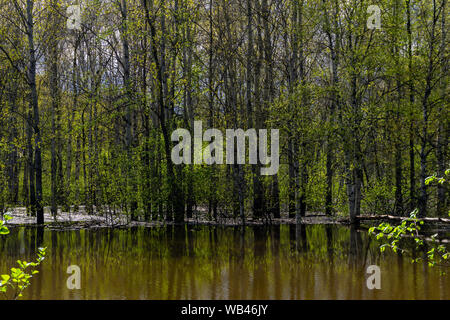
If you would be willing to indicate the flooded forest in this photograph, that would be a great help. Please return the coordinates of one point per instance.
(224, 149)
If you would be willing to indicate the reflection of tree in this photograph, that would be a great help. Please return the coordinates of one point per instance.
(177, 240)
(329, 234)
(300, 237)
(134, 238)
(236, 262)
(39, 235)
(190, 241)
(276, 260)
(355, 250)
(191, 262)
(330, 256)
(40, 244)
(354, 262)
(214, 260)
(176, 236)
(259, 261)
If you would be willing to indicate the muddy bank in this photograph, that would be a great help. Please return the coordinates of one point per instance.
(81, 219)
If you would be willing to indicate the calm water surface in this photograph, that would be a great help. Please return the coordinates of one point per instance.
(204, 262)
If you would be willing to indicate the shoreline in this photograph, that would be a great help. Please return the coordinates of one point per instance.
(81, 220)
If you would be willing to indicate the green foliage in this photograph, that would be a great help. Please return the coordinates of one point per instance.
(439, 180)
(3, 229)
(379, 197)
(436, 255)
(12, 285)
(348, 101)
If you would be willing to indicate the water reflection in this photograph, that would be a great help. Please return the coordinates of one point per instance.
(199, 262)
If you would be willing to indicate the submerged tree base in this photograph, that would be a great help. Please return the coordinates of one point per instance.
(81, 219)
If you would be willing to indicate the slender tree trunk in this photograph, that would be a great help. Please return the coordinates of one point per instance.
(257, 187)
(398, 206)
(412, 173)
(442, 136)
(131, 183)
(52, 57)
(187, 57)
(175, 193)
(292, 139)
(36, 172)
(213, 192)
(12, 157)
(301, 167)
(70, 122)
(423, 198)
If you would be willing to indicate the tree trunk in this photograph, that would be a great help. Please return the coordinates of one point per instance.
(36, 173)
(412, 173)
(423, 198)
(442, 136)
(292, 139)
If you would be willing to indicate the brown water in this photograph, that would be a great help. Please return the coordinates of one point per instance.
(279, 262)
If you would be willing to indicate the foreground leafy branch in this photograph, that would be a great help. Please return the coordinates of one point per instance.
(3, 229)
(436, 255)
(12, 285)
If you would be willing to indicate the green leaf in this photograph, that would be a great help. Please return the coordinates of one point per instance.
(5, 277)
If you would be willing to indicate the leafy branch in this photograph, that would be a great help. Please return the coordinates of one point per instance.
(19, 279)
(436, 255)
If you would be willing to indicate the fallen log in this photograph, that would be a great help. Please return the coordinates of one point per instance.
(396, 218)
(420, 236)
